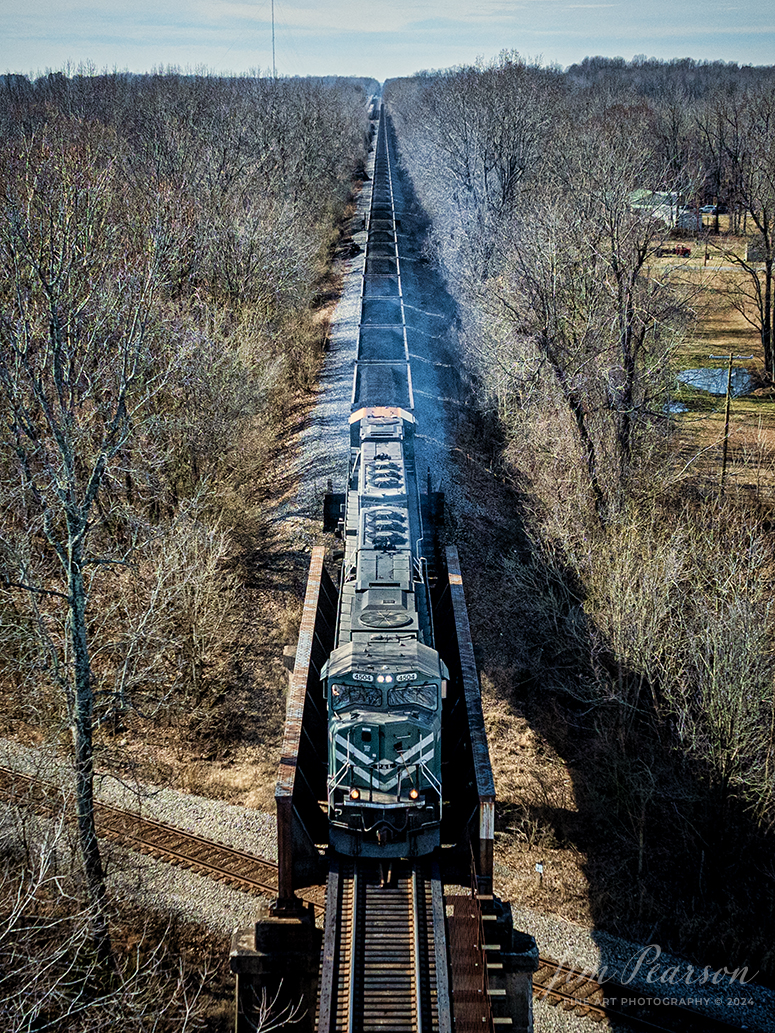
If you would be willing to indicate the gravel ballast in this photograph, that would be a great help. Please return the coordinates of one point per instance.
(193, 898)
(642, 969)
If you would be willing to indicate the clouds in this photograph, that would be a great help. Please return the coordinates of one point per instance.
(370, 38)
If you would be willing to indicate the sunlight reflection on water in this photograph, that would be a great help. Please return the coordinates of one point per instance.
(714, 381)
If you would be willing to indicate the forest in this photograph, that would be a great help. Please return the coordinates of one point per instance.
(170, 249)
(632, 592)
(165, 249)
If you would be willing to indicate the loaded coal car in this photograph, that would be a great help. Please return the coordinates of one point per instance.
(384, 680)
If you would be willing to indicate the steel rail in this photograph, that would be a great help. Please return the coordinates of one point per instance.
(416, 957)
(142, 835)
(354, 946)
(147, 835)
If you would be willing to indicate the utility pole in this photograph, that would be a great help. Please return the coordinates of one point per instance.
(726, 414)
(274, 65)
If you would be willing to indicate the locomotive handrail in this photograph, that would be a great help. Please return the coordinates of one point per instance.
(426, 584)
(335, 780)
(435, 783)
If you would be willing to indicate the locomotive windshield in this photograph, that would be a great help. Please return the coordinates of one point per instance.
(351, 695)
(414, 695)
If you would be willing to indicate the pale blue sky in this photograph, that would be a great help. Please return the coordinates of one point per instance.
(368, 38)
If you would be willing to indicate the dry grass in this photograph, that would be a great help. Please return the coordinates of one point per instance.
(229, 748)
(536, 811)
(598, 798)
(243, 780)
(750, 451)
(721, 329)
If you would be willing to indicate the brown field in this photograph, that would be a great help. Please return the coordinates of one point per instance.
(720, 329)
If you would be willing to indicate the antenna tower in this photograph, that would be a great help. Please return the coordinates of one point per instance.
(274, 66)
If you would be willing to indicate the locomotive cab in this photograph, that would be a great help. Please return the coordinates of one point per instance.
(384, 789)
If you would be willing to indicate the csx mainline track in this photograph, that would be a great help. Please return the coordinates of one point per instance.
(384, 963)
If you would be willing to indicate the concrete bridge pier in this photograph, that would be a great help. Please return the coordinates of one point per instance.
(275, 962)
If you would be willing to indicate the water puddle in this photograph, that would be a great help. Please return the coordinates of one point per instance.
(714, 381)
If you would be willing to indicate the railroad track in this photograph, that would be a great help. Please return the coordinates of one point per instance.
(203, 856)
(580, 993)
(384, 948)
(384, 965)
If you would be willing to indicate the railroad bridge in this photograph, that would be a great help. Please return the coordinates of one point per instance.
(424, 946)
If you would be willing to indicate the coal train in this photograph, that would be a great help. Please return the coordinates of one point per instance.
(384, 680)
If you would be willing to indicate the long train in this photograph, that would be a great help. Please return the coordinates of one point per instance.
(384, 680)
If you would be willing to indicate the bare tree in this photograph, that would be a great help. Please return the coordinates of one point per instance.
(160, 239)
(748, 124)
(574, 285)
(50, 975)
(486, 126)
(76, 334)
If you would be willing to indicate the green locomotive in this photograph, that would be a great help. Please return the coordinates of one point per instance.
(384, 681)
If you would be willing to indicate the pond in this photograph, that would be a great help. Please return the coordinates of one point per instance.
(714, 381)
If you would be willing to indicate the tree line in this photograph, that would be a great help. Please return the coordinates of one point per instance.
(646, 595)
(162, 241)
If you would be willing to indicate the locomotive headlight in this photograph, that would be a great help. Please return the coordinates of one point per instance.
(380, 678)
(355, 794)
(388, 677)
(414, 794)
